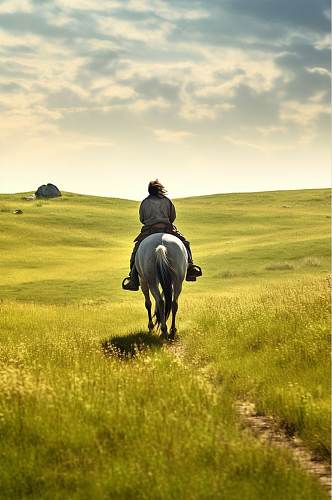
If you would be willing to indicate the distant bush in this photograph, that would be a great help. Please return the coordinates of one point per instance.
(279, 266)
(311, 262)
(228, 274)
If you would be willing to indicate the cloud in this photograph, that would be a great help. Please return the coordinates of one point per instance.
(302, 113)
(11, 88)
(141, 105)
(89, 5)
(319, 96)
(114, 91)
(319, 71)
(138, 8)
(172, 136)
(323, 42)
(66, 98)
(262, 146)
(111, 67)
(156, 87)
(270, 131)
(148, 31)
(296, 14)
(10, 6)
(298, 63)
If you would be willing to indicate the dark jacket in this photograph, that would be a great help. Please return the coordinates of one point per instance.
(156, 209)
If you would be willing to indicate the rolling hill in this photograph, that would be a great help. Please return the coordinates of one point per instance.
(77, 248)
(94, 407)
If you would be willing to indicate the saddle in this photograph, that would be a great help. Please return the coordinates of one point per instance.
(159, 227)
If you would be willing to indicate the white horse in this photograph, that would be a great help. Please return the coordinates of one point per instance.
(162, 259)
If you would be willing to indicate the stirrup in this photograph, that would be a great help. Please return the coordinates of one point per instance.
(191, 278)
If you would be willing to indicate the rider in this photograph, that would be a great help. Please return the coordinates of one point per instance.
(157, 214)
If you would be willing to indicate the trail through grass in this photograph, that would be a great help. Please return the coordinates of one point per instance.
(274, 349)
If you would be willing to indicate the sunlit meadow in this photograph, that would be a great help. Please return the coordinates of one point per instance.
(91, 406)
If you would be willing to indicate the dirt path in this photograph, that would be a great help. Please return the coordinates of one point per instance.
(268, 431)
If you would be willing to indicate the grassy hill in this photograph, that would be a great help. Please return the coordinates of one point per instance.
(77, 248)
(91, 406)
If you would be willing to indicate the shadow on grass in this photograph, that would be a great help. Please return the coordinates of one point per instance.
(131, 345)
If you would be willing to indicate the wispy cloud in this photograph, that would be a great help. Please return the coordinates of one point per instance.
(10, 6)
(173, 136)
(319, 71)
(302, 114)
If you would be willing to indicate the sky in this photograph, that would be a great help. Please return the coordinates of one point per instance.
(209, 96)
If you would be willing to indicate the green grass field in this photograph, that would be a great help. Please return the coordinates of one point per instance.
(80, 419)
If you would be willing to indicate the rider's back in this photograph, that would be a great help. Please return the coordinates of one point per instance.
(156, 209)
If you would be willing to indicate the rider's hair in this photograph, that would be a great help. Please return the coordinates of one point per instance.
(156, 188)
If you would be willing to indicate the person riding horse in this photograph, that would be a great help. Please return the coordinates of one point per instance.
(157, 214)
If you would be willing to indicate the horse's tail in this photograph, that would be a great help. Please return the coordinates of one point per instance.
(165, 279)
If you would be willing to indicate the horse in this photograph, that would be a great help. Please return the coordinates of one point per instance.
(162, 259)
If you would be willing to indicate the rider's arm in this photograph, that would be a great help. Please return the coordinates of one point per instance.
(172, 213)
(141, 213)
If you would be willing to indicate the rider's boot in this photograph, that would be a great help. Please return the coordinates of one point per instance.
(193, 271)
(132, 282)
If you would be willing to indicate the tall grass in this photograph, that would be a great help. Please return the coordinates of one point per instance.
(273, 348)
(80, 422)
(91, 406)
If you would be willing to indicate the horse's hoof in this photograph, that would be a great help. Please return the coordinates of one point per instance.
(172, 334)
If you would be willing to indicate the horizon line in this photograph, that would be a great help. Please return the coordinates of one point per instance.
(180, 197)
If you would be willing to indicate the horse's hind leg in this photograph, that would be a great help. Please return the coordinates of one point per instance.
(148, 304)
(160, 310)
(173, 330)
(163, 324)
(173, 327)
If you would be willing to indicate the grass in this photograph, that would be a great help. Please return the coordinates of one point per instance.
(76, 248)
(91, 406)
(80, 423)
(279, 266)
(274, 349)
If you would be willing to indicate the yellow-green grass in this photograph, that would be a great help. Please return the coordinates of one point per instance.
(79, 422)
(77, 248)
(78, 419)
(272, 348)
